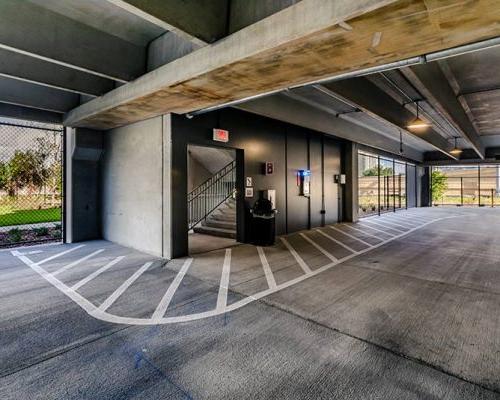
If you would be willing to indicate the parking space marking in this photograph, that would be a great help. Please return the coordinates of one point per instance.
(124, 286)
(350, 236)
(95, 274)
(381, 225)
(224, 282)
(158, 314)
(60, 254)
(388, 224)
(378, 230)
(364, 233)
(326, 253)
(401, 224)
(77, 262)
(161, 309)
(295, 255)
(336, 241)
(271, 282)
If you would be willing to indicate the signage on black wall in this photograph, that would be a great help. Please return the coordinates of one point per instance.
(220, 135)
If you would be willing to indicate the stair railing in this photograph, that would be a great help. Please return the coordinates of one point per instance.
(205, 198)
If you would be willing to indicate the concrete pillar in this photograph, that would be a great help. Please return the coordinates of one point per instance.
(82, 197)
(350, 195)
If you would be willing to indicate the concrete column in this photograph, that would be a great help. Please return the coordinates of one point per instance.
(167, 187)
(82, 197)
(350, 195)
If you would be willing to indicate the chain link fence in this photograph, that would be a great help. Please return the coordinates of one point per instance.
(30, 182)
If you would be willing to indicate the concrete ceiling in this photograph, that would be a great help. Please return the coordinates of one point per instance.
(105, 17)
(104, 63)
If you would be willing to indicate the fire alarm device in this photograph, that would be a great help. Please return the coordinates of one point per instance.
(340, 179)
(269, 168)
(220, 135)
(304, 182)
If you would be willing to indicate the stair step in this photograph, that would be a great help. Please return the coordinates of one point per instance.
(227, 233)
(213, 223)
(223, 217)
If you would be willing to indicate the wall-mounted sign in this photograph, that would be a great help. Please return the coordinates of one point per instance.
(248, 181)
(220, 135)
(269, 168)
(248, 192)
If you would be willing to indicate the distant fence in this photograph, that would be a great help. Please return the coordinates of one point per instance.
(30, 182)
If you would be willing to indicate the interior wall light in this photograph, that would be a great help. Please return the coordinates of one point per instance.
(417, 123)
(456, 151)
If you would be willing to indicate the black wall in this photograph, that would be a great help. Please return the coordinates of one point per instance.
(258, 140)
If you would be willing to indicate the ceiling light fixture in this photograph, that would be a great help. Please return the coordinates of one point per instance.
(456, 151)
(417, 123)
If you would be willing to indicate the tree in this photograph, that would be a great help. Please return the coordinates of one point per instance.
(374, 171)
(3, 175)
(439, 185)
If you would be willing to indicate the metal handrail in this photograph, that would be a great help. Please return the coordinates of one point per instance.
(209, 195)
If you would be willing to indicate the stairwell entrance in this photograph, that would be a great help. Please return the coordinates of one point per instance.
(212, 184)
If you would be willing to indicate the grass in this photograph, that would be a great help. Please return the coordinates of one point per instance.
(22, 217)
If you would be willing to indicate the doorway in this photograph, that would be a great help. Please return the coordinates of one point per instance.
(211, 198)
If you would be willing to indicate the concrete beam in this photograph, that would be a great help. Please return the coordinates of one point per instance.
(26, 68)
(302, 43)
(369, 98)
(167, 48)
(29, 114)
(200, 21)
(431, 82)
(42, 34)
(13, 91)
(294, 111)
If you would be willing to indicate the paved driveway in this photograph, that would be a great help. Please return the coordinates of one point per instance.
(399, 306)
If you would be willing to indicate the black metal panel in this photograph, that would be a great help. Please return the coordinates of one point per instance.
(297, 159)
(257, 140)
(316, 163)
(332, 166)
(411, 186)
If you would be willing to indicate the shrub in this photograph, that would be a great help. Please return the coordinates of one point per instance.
(15, 235)
(41, 231)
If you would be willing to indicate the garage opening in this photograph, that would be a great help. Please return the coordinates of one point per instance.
(385, 184)
(212, 221)
(31, 162)
(466, 185)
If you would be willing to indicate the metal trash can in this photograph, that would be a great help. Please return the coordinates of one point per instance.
(263, 223)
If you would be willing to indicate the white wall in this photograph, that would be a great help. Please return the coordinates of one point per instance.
(135, 186)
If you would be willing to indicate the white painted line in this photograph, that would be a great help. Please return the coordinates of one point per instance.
(376, 229)
(393, 221)
(104, 316)
(76, 262)
(124, 286)
(60, 254)
(336, 241)
(161, 309)
(295, 255)
(224, 282)
(390, 225)
(95, 274)
(80, 300)
(326, 253)
(267, 269)
(364, 232)
(351, 236)
(380, 225)
(408, 222)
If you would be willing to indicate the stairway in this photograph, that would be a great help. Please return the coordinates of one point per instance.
(221, 222)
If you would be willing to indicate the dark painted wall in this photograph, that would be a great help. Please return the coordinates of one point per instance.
(260, 139)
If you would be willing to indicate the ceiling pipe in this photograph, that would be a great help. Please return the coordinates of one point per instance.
(425, 58)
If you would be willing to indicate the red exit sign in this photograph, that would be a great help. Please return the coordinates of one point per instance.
(220, 135)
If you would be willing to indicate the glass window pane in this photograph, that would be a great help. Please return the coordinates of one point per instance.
(367, 184)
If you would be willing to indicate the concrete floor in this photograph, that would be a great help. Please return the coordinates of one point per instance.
(401, 306)
(200, 243)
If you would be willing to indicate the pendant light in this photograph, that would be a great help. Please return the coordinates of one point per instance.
(417, 123)
(456, 151)
(401, 151)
